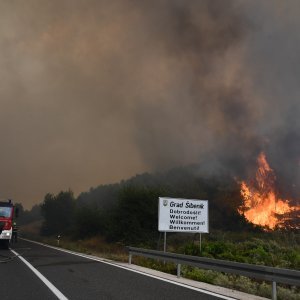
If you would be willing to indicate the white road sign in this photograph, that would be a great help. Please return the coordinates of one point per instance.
(182, 215)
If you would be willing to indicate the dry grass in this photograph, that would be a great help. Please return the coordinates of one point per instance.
(96, 246)
(32, 229)
(99, 247)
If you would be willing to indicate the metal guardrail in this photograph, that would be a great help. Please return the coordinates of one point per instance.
(286, 276)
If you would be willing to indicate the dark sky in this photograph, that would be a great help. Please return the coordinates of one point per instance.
(93, 92)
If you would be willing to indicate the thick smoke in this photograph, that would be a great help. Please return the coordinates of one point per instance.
(233, 91)
(96, 91)
(204, 110)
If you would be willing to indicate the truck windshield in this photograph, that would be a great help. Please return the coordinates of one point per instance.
(5, 212)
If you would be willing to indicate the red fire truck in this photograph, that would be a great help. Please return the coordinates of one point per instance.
(7, 214)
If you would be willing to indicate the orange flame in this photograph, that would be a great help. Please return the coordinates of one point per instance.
(261, 206)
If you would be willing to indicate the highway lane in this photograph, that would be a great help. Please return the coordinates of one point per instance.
(80, 278)
(18, 282)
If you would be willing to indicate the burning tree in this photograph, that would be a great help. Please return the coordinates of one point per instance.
(261, 204)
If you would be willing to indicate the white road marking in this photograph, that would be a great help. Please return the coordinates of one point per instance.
(53, 289)
(135, 271)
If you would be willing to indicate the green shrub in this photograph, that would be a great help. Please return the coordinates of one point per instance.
(207, 276)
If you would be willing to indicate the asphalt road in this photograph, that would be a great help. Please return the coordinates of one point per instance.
(78, 278)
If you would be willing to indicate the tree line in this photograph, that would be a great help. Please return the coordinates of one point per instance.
(128, 211)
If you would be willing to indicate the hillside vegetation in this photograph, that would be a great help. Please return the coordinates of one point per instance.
(127, 212)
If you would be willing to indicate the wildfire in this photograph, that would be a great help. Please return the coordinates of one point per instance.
(261, 206)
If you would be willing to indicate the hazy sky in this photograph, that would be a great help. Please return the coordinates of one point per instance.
(95, 91)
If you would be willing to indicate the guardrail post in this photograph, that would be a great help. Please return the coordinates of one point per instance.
(274, 291)
(178, 270)
(130, 258)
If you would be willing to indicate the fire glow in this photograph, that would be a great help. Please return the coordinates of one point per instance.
(261, 205)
